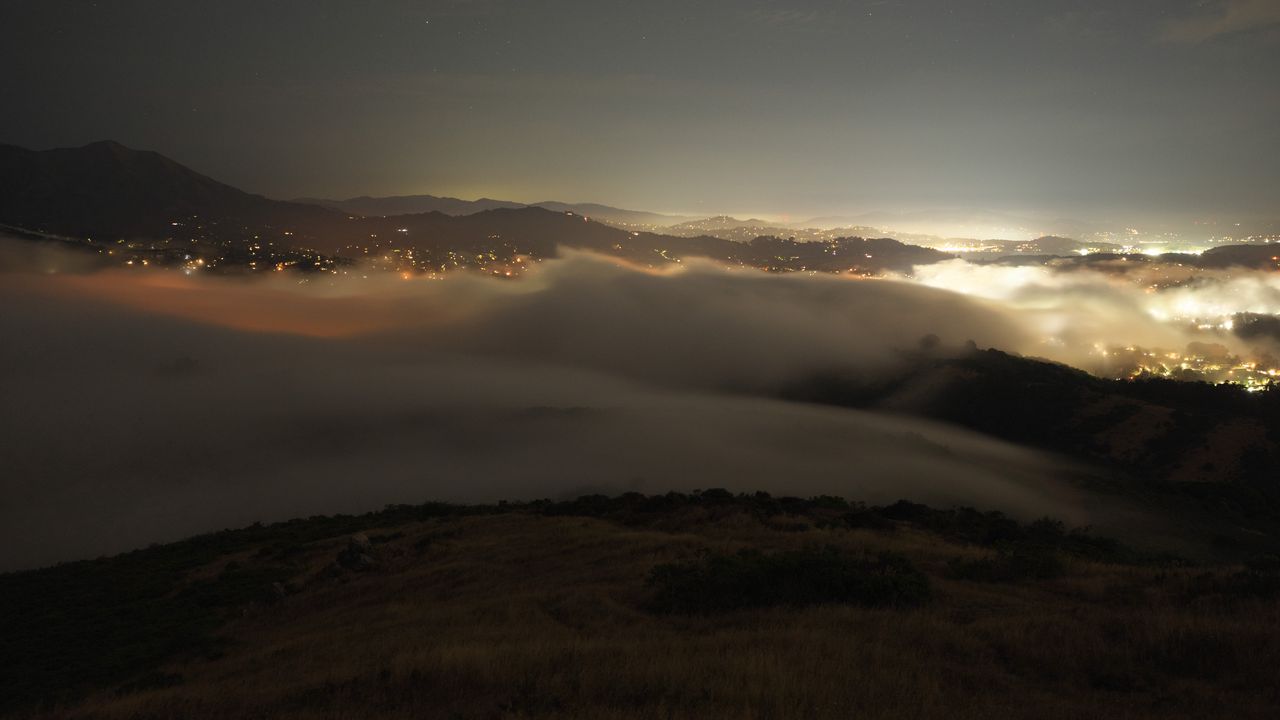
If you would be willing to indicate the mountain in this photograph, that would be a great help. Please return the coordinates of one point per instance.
(1265, 257)
(1040, 249)
(411, 204)
(106, 190)
(633, 219)
(720, 222)
(416, 204)
(525, 231)
(537, 232)
(851, 254)
(729, 228)
(1062, 253)
(958, 223)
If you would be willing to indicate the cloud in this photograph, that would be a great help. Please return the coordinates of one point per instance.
(1231, 17)
(147, 405)
(144, 407)
(1068, 313)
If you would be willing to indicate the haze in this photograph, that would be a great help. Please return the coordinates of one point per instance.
(1138, 111)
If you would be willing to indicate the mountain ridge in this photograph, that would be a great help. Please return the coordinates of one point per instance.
(105, 187)
(416, 204)
(108, 192)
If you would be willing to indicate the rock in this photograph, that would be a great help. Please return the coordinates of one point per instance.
(361, 542)
(359, 554)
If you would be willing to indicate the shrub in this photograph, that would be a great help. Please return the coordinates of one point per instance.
(1259, 579)
(1011, 564)
(862, 519)
(751, 579)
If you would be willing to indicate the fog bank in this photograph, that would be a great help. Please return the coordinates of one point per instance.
(144, 407)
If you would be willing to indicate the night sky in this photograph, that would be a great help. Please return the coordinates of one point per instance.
(1135, 108)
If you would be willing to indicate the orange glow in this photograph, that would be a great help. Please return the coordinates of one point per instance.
(248, 306)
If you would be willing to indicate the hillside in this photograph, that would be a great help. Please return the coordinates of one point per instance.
(1203, 451)
(108, 191)
(1254, 256)
(681, 606)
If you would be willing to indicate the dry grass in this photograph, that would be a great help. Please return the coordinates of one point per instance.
(520, 615)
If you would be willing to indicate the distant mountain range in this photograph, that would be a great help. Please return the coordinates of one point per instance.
(106, 189)
(108, 192)
(730, 228)
(959, 223)
(413, 204)
(616, 216)
(410, 204)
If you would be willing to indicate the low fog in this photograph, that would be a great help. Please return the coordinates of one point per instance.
(147, 406)
(1065, 315)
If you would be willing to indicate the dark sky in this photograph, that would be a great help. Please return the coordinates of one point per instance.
(1135, 108)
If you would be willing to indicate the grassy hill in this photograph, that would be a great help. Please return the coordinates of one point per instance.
(680, 606)
(1205, 453)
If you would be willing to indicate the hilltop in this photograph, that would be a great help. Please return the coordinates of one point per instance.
(683, 606)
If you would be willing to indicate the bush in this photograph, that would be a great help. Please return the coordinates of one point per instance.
(862, 518)
(1011, 564)
(752, 579)
(1258, 580)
